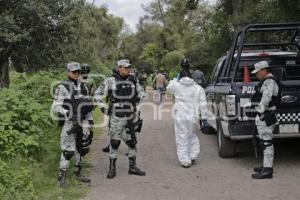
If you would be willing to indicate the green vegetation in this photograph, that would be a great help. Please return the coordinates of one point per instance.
(29, 142)
(37, 39)
(173, 29)
(37, 35)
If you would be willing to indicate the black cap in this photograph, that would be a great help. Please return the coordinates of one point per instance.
(185, 62)
(85, 68)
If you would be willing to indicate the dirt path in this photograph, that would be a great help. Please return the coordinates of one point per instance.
(211, 178)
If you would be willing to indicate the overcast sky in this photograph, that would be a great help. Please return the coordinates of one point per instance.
(130, 10)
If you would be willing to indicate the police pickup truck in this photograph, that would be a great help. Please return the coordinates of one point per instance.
(231, 83)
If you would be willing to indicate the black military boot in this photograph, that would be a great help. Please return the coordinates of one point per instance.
(133, 169)
(62, 179)
(106, 149)
(259, 169)
(79, 177)
(112, 169)
(266, 173)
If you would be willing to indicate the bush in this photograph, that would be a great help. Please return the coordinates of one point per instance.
(24, 132)
(37, 86)
(22, 121)
(15, 183)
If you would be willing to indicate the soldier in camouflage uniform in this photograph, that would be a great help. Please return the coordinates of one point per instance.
(73, 106)
(124, 93)
(267, 96)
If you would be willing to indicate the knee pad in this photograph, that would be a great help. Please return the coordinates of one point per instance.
(265, 143)
(83, 141)
(68, 154)
(115, 144)
(131, 144)
(86, 142)
(84, 151)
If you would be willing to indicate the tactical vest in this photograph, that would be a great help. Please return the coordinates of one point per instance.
(269, 116)
(122, 100)
(77, 99)
(88, 82)
(258, 95)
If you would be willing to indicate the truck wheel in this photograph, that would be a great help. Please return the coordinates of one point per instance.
(226, 147)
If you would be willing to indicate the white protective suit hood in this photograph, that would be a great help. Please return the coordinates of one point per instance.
(186, 81)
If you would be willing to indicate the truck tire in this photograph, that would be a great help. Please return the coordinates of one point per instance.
(226, 146)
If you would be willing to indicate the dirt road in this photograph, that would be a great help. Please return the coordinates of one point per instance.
(211, 178)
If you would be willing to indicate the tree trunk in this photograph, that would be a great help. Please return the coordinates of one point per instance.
(4, 70)
(237, 6)
(238, 9)
(162, 15)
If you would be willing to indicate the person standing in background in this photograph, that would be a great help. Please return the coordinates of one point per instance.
(160, 82)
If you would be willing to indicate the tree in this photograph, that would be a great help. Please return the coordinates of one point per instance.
(153, 55)
(180, 29)
(30, 34)
(10, 33)
(94, 33)
(39, 34)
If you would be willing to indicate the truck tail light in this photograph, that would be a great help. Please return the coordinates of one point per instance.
(230, 105)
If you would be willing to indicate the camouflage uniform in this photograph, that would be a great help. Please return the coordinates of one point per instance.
(68, 140)
(117, 124)
(268, 90)
(124, 92)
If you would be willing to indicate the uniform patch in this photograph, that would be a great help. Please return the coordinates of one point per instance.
(56, 93)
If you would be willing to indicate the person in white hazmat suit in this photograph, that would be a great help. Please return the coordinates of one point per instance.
(190, 101)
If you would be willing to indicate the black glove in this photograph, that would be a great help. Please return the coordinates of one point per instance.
(205, 123)
(67, 114)
(104, 110)
(137, 99)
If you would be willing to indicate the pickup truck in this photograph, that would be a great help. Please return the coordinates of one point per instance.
(231, 83)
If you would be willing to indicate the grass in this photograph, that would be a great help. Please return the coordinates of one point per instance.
(45, 173)
(45, 177)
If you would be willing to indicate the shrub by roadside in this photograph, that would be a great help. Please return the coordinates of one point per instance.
(29, 141)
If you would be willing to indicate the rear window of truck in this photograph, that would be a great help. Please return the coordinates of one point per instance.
(284, 68)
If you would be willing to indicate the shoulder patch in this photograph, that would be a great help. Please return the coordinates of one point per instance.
(56, 93)
(269, 82)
